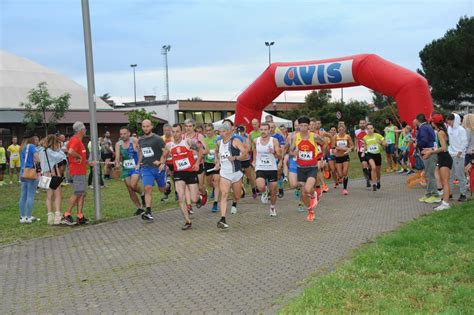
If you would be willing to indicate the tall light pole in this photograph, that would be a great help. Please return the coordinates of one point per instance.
(134, 83)
(164, 51)
(86, 23)
(269, 44)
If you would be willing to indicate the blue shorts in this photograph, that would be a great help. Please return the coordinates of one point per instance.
(390, 149)
(151, 174)
(292, 166)
(330, 157)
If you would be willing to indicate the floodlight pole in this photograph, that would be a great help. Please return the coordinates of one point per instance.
(92, 104)
(164, 51)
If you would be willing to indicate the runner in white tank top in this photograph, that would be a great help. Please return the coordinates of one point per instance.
(268, 151)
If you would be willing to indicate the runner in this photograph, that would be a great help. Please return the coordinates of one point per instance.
(254, 134)
(293, 168)
(191, 134)
(331, 159)
(185, 166)
(151, 148)
(267, 153)
(373, 145)
(390, 131)
(14, 159)
(342, 144)
(127, 159)
(281, 142)
(319, 132)
(359, 135)
(445, 161)
(167, 138)
(246, 164)
(230, 152)
(305, 149)
(212, 174)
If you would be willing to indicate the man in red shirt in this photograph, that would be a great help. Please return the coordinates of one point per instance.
(77, 170)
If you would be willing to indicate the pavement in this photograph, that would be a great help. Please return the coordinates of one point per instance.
(257, 265)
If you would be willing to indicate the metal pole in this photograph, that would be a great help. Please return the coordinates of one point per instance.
(342, 95)
(269, 55)
(134, 87)
(92, 104)
(164, 52)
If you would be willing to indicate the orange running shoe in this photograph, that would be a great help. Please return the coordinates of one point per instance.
(310, 216)
(313, 203)
(345, 192)
(327, 175)
(325, 188)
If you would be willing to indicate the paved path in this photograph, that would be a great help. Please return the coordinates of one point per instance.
(129, 266)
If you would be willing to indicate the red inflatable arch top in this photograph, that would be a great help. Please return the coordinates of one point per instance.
(409, 89)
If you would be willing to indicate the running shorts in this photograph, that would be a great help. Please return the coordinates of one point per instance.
(245, 164)
(306, 172)
(232, 177)
(377, 157)
(342, 159)
(445, 160)
(292, 166)
(188, 177)
(270, 176)
(150, 175)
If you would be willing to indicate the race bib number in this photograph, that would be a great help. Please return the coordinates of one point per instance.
(211, 155)
(129, 164)
(265, 160)
(224, 156)
(305, 155)
(373, 148)
(147, 152)
(15, 155)
(341, 143)
(183, 164)
(389, 141)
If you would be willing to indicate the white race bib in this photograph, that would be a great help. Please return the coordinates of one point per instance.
(389, 141)
(224, 156)
(373, 148)
(148, 152)
(341, 143)
(265, 160)
(183, 164)
(305, 155)
(129, 164)
(15, 155)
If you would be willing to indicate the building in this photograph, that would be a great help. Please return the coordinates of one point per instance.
(19, 75)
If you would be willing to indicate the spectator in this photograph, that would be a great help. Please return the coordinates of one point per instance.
(53, 163)
(28, 158)
(425, 139)
(457, 149)
(107, 154)
(3, 162)
(468, 124)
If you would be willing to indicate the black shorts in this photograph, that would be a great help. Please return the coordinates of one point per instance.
(270, 176)
(188, 177)
(377, 157)
(170, 167)
(445, 160)
(362, 158)
(304, 173)
(106, 156)
(342, 159)
(210, 166)
(245, 164)
(201, 169)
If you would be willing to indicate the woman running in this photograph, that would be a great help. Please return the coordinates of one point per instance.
(342, 144)
(373, 146)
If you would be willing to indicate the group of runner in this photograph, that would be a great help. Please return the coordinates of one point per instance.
(194, 160)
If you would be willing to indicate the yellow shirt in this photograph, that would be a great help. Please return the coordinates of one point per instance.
(14, 150)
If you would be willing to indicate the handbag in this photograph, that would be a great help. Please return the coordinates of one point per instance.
(52, 182)
(28, 172)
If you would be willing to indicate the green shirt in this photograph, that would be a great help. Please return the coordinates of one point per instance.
(3, 156)
(390, 134)
(372, 142)
(211, 145)
(254, 134)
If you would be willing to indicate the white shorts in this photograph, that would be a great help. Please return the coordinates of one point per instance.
(232, 177)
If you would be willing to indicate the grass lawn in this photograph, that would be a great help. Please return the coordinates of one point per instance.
(424, 267)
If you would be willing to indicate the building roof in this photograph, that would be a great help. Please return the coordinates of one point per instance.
(230, 105)
(19, 75)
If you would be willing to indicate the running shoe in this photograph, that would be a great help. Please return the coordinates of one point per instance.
(254, 193)
(367, 183)
(57, 218)
(374, 187)
(462, 198)
(273, 212)
(147, 216)
(345, 192)
(165, 198)
(327, 175)
(222, 224)
(82, 221)
(204, 199)
(401, 171)
(440, 192)
(215, 208)
(139, 211)
(23, 220)
(442, 206)
(233, 210)
(50, 218)
(301, 208)
(423, 199)
(378, 185)
(297, 193)
(186, 226)
(410, 172)
(67, 220)
(281, 193)
(325, 188)
(264, 197)
(433, 199)
(198, 202)
(310, 216)
(212, 193)
(190, 209)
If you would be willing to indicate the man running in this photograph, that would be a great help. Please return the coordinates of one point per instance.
(267, 153)
(281, 142)
(127, 158)
(191, 134)
(167, 138)
(230, 152)
(359, 135)
(373, 144)
(246, 164)
(342, 144)
(14, 159)
(254, 134)
(305, 149)
(183, 152)
(151, 149)
(212, 175)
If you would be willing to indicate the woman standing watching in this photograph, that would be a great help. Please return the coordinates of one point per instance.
(29, 180)
(53, 161)
(445, 162)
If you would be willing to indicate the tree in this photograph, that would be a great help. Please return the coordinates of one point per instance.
(378, 117)
(41, 102)
(448, 64)
(135, 118)
(381, 101)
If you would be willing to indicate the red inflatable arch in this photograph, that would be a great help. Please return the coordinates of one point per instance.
(409, 89)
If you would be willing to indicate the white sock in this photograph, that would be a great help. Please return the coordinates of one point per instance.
(444, 203)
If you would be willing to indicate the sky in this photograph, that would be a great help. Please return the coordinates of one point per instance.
(217, 47)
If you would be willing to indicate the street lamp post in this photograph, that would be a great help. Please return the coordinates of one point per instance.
(269, 44)
(164, 51)
(134, 83)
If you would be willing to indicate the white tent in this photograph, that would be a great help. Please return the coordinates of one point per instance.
(277, 120)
